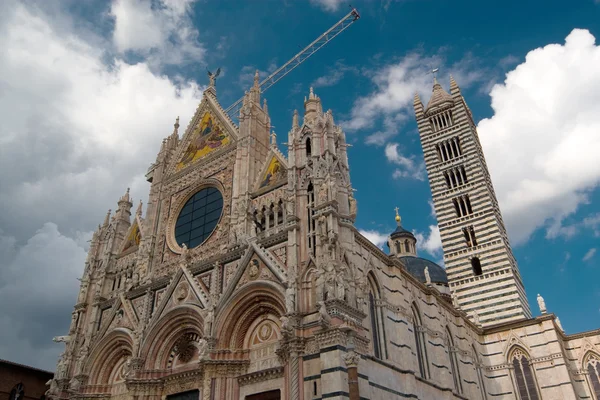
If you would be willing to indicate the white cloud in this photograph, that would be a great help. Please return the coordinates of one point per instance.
(590, 253)
(430, 242)
(328, 5)
(396, 85)
(162, 31)
(377, 238)
(408, 167)
(74, 119)
(334, 75)
(542, 143)
(246, 78)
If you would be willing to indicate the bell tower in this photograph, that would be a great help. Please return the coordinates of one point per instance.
(482, 270)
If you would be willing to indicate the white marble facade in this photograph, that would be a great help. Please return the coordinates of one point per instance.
(285, 298)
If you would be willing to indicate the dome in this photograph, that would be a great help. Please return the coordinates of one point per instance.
(400, 231)
(416, 267)
(439, 98)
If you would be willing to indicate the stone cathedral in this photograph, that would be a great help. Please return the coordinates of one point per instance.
(246, 278)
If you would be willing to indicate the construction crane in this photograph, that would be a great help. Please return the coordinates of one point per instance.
(328, 36)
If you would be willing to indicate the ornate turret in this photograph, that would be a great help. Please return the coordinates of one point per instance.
(402, 242)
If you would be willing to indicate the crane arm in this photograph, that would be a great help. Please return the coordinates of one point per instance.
(299, 58)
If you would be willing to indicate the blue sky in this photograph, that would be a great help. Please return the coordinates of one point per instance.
(89, 89)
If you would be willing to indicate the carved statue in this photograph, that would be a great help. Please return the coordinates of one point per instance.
(427, 276)
(341, 285)
(83, 291)
(324, 316)
(202, 346)
(136, 279)
(541, 304)
(53, 387)
(62, 339)
(74, 384)
(475, 318)
(323, 193)
(454, 301)
(212, 77)
(208, 321)
(61, 368)
(352, 202)
(290, 297)
(285, 323)
(184, 255)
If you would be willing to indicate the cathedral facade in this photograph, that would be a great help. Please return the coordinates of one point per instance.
(246, 278)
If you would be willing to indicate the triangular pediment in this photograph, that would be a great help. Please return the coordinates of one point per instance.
(183, 289)
(257, 265)
(273, 173)
(209, 133)
(132, 238)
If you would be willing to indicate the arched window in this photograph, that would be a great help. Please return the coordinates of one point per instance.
(454, 366)
(398, 249)
(377, 328)
(476, 264)
(420, 346)
(524, 376)
(308, 148)
(479, 372)
(312, 238)
(592, 368)
(17, 392)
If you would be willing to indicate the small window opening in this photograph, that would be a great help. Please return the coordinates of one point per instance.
(476, 264)
(314, 388)
(308, 148)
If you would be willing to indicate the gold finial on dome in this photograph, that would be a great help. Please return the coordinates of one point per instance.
(398, 219)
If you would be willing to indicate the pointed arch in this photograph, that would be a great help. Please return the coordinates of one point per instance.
(454, 365)
(164, 333)
(479, 368)
(523, 374)
(591, 366)
(375, 316)
(108, 357)
(235, 317)
(308, 289)
(420, 345)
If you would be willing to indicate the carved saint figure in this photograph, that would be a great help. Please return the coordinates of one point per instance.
(427, 276)
(323, 193)
(202, 346)
(352, 202)
(208, 321)
(290, 297)
(541, 304)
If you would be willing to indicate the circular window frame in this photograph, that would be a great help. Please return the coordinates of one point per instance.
(188, 194)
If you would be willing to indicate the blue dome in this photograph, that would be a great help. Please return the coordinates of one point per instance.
(400, 231)
(416, 267)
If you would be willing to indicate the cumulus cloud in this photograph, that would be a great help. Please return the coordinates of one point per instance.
(74, 119)
(328, 5)
(375, 237)
(430, 242)
(590, 253)
(162, 31)
(407, 166)
(542, 142)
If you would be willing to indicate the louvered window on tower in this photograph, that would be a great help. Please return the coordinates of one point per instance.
(462, 206)
(469, 233)
(449, 150)
(441, 121)
(455, 177)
